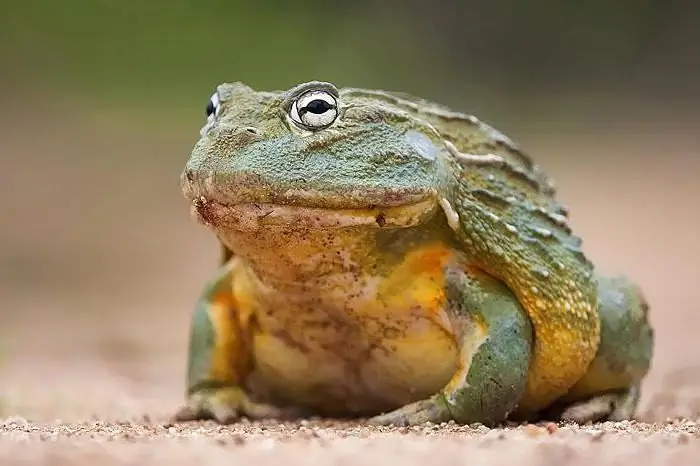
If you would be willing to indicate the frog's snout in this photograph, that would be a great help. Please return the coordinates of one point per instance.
(187, 182)
(227, 139)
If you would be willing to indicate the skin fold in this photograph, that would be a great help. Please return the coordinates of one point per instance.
(385, 257)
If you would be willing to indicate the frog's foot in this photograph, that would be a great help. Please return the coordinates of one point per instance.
(226, 405)
(495, 347)
(432, 410)
(618, 406)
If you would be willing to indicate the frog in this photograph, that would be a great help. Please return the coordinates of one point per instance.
(387, 258)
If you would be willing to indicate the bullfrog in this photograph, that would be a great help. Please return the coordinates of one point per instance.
(387, 258)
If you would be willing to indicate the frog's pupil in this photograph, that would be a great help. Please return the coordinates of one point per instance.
(318, 106)
(210, 108)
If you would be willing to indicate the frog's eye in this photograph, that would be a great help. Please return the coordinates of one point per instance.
(314, 110)
(213, 105)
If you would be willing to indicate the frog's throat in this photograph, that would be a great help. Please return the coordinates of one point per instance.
(287, 247)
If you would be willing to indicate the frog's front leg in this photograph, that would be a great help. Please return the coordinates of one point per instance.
(220, 356)
(495, 338)
(611, 387)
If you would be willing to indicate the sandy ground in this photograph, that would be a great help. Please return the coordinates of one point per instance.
(101, 265)
(322, 443)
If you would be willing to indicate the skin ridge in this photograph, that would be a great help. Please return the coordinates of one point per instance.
(443, 117)
(541, 261)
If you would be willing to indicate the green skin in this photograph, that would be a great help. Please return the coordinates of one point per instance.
(376, 178)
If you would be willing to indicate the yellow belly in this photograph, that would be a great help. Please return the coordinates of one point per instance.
(375, 345)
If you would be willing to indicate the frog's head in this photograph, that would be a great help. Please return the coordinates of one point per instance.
(340, 156)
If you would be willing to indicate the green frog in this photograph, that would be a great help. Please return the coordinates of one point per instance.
(385, 257)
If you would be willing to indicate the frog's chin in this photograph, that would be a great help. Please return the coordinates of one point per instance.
(256, 216)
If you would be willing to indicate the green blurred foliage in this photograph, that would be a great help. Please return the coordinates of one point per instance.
(181, 49)
(175, 51)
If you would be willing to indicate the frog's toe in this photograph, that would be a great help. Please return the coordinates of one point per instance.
(226, 405)
(220, 405)
(608, 407)
(189, 413)
(431, 410)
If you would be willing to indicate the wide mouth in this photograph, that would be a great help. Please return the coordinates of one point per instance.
(241, 188)
(251, 217)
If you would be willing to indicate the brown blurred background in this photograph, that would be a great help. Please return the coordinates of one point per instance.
(101, 102)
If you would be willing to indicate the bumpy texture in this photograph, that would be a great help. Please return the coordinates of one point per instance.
(385, 256)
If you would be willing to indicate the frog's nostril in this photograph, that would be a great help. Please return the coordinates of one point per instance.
(188, 174)
(252, 130)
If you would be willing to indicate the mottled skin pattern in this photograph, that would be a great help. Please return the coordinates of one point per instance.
(386, 257)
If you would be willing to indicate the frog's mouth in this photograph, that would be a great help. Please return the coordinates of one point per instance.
(255, 216)
(245, 203)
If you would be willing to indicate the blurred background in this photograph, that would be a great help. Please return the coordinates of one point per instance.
(101, 102)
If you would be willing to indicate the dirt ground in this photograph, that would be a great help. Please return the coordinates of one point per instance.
(101, 265)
